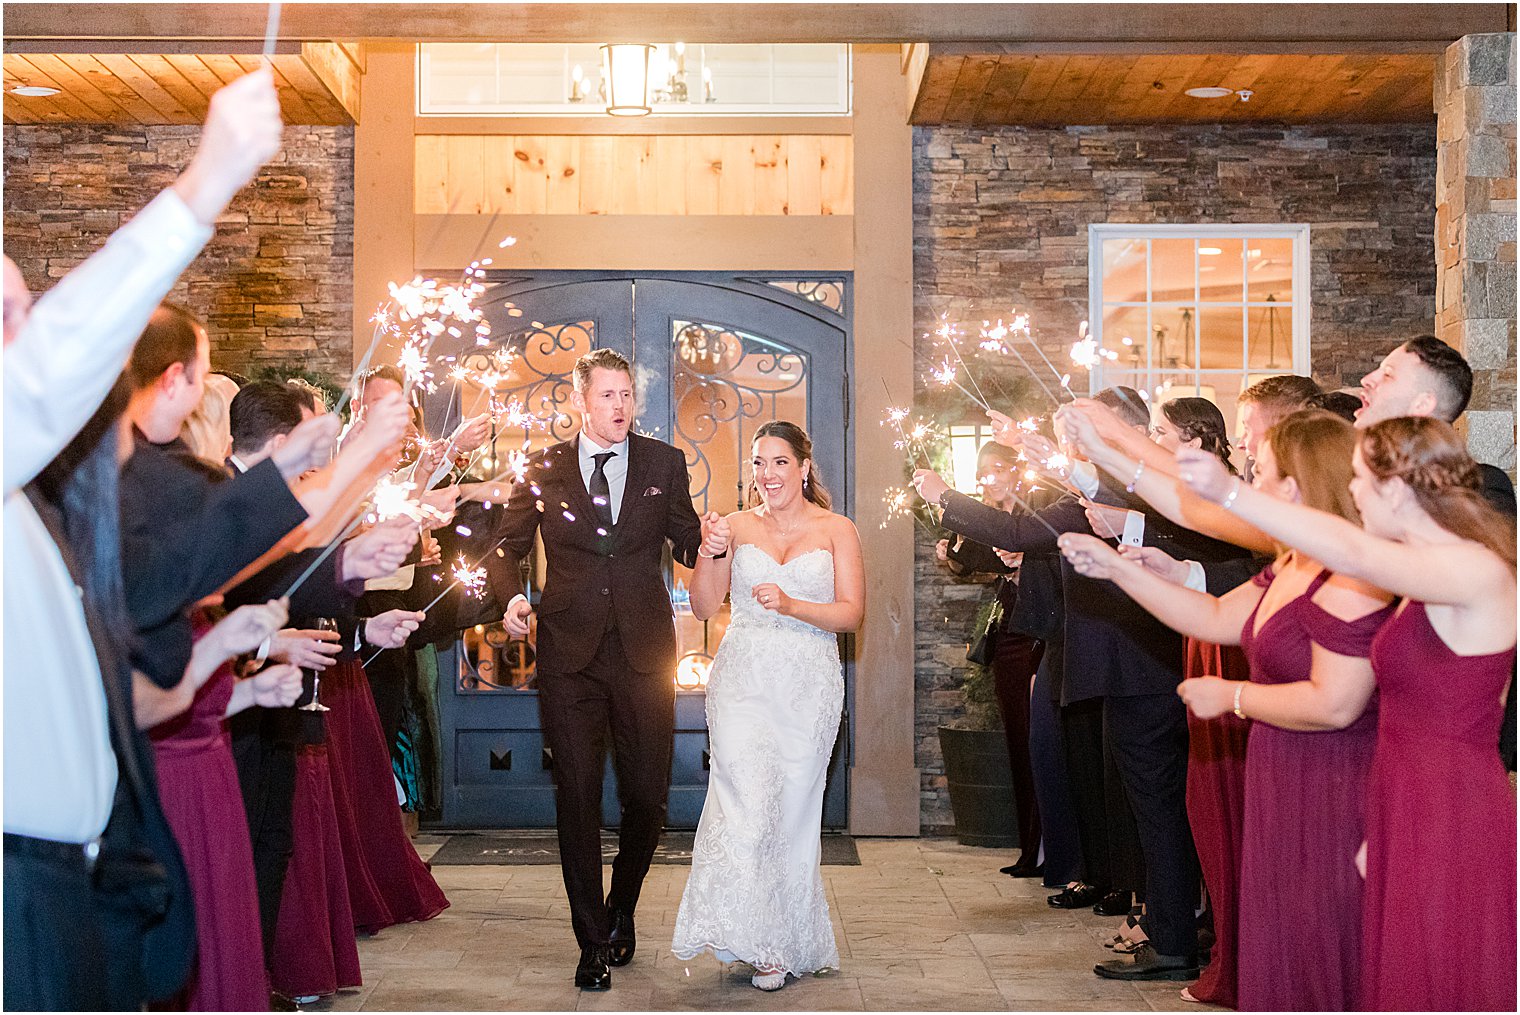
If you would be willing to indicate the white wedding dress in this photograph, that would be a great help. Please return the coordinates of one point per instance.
(774, 699)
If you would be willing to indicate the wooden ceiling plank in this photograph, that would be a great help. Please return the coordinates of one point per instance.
(1316, 86)
(1042, 77)
(167, 76)
(936, 89)
(1207, 71)
(1173, 78)
(293, 105)
(334, 69)
(1002, 87)
(1058, 104)
(121, 93)
(169, 108)
(313, 90)
(1134, 90)
(970, 87)
(195, 73)
(30, 74)
(81, 88)
(1382, 102)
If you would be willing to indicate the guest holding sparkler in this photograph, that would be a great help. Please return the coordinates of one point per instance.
(1013, 655)
(1115, 651)
(1307, 633)
(1438, 913)
(74, 759)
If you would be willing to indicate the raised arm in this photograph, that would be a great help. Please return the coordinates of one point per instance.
(1196, 614)
(1139, 464)
(1458, 573)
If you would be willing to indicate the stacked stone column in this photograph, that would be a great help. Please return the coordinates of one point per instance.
(1475, 230)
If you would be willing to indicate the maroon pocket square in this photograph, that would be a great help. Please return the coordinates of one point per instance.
(653, 491)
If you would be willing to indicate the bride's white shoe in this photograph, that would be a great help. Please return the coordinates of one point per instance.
(769, 980)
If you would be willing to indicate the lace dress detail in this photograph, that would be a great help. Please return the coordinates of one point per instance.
(774, 698)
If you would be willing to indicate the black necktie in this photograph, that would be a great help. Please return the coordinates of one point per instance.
(601, 493)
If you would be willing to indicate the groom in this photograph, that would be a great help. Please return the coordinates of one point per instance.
(605, 503)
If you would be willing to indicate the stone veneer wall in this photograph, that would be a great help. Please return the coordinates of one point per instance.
(1475, 230)
(1000, 219)
(275, 282)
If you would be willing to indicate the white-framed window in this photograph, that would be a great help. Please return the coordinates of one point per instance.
(1198, 309)
(686, 79)
(965, 443)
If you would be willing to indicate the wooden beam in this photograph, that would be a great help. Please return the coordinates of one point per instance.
(445, 243)
(762, 22)
(338, 70)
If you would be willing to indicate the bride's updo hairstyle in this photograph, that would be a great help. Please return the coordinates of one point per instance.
(797, 439)
(1433, 462)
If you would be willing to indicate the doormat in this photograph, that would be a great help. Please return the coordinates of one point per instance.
(511, 848)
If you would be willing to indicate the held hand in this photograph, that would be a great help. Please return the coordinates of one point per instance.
(929, 486)
(1076, 427)
(380, 550)
(1157, 562)
(1106, 521)
(716, 535)
(242, 132)
(1204, 474)
(310, 650)
(245, 628)
(392, 628)
(770, 596)
(438, 505)
(472, 433)
(276, 686)
(1004, 430)
(1106, 425)
(1208, 697)
(517, 617)
(1090, 556)
(1010, 558)
(429, 459)
(942, 550)
(382, 426)
(308, 447)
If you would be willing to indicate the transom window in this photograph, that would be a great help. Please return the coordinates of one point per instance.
(685, 79)
(1198, 309)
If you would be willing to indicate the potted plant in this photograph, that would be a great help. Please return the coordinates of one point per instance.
(975, 750)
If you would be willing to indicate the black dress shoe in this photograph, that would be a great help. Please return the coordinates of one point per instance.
(1075, 897)
(1149, 964)
(621, 941)
(1023, 870)
(592, 972)
(1113, 904)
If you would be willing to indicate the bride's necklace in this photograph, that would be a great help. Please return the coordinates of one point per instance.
(783, 529)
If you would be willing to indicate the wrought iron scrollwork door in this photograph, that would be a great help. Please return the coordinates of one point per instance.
(714, 357)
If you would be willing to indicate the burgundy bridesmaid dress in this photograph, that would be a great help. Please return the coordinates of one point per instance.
(315, 951)
(198, 784)
(387, 882)
(1440, 900)
(1300, 895)
(1216, 785)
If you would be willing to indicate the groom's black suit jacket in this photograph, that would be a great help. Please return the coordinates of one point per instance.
(594, 581)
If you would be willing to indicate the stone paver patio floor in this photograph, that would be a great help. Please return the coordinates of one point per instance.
(922, 924)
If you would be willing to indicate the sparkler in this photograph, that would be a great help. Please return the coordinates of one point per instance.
(947, 333)
(271, 29)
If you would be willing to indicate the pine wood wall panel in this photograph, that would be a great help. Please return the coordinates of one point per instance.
(756, 174)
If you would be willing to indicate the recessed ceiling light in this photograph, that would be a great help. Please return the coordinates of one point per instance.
(33, 91)
(1214, 92)
(1210, 251)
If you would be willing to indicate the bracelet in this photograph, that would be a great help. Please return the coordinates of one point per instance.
(264, 649)
(1241, 687)
(1234, 492)
(1139, 471)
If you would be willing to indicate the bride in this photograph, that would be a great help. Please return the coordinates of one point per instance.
(774, 699)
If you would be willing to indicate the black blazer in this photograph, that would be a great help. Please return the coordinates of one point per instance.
(1110, 645)
(596, 581)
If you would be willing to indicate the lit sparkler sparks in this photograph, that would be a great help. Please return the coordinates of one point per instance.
(473, 579)
(393, 499)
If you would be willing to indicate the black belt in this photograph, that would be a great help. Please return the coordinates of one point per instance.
(82, 853)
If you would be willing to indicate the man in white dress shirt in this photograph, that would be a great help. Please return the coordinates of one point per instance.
(61, 772)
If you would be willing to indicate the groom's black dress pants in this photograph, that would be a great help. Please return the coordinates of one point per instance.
(577, 711)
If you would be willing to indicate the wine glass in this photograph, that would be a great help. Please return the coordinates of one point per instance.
(323, 624)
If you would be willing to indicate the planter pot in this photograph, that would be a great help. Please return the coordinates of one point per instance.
(981, 786)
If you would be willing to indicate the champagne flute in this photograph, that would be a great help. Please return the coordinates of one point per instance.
(323, 624)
